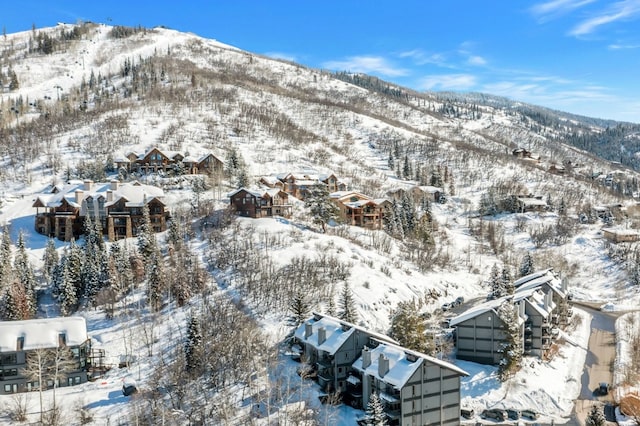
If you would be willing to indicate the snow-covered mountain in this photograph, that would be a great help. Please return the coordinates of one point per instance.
(75, 97)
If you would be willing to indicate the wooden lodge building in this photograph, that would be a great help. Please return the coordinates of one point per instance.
(156, 160)
(61, 212)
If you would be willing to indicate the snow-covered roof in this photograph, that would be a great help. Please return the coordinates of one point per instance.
(42, 333)
(336, 333)
(473, 312)
(134, 193)
(403, 363)
(538, 279)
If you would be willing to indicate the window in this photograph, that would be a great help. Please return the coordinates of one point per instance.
(76, 380)
(7, 388)
(8, 359)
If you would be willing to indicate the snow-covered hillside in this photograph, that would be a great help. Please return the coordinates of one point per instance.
(95, 98)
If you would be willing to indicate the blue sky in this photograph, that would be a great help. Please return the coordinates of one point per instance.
(580, 56)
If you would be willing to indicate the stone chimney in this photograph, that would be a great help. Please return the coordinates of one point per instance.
(383, 365)
(308, 329)
(114, 184)
(366, 357)
(322, 335)
(109, 195)
(87, 184)
(79, 196)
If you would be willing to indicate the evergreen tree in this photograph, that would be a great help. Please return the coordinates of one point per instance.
(495, 282)
(155, 280)
(146, 238)
(527, 266)
(50, 259)
(193, 348)
(512, 347)
(15, 303)
(23, 272)
(300, 308)
(322, 209)
(408, 328)
(5, 257)
(375, 415)
(331, 303)
(506, 281)
(596, 416)
(348, 311)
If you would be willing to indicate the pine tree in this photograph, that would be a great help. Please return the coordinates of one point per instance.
(15, 303)
(596, 416)
(146, 238)
(348, 311)
(155, 280)
(506, 281)
(408, 328)
(512, 347)
(375, 415)
(322, 209)
(5, 257)
(23, 272)
(527, 266)
(495, 282)
(193, 347)
(50, 259)
(299, 308)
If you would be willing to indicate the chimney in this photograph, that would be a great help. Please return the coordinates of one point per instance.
(87, 185)
(546, 301)
(521, 307)
(307, 330)
(366, 357)
(383, 365)
(79, 196)
(322, 335)
(109, 195)
(114, 185)
(565, 285)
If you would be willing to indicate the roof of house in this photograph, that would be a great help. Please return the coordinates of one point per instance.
(403, 363)
(337, 332)
(527, 287)
(42, 333)
(135, 194)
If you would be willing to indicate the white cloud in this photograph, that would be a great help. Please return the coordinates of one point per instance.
(367, 64)
(622, 10)
(619, 46)
(448, 82)
(553, 8)
(476, 60)
(281, 55)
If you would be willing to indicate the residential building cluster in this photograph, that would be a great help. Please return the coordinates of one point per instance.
(541, 302)
(61, 211)
(414, 388)
(155, 160)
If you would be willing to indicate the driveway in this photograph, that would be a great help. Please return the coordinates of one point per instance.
(598, 365)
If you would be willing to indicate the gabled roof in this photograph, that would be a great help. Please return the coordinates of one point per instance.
(403, 363)
(337, 332)
(134, 193)
(42, 333)
(538, 279)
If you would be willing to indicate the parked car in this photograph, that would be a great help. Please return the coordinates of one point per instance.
(530, 414)
(514, 414)
(129, 389)
(446, 306)
(495, 413)
(603, 388)
(467, 413)
(459, 300)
